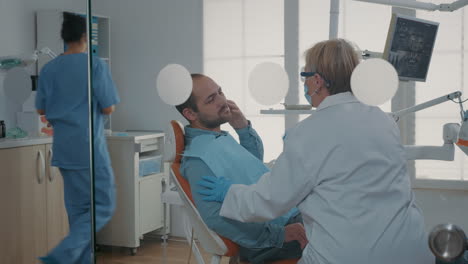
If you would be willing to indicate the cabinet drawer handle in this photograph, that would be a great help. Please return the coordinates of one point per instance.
(51, 169)
(40, 167)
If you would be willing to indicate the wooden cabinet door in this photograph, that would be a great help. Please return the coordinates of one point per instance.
(22, 204)
(57, 220)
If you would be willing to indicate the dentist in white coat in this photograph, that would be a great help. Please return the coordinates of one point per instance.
(345, 169)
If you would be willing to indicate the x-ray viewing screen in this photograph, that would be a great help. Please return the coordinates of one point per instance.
(409, 46)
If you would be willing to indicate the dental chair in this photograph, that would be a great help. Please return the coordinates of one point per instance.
(211, 242)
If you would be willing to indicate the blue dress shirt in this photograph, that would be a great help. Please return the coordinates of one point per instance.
(248, 235)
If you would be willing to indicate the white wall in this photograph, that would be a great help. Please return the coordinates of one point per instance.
(146, 35)
(443, 206)
(18, 38)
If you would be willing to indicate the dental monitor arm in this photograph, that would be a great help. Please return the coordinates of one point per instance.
(452, 132)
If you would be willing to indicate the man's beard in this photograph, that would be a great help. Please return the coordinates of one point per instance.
(211, 124)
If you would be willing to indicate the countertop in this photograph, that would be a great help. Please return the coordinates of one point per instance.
(30, 141)
(21, 142)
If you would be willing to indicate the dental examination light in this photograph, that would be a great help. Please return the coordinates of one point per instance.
(450, 97)
(420, 5)
(375, 81)
(453, 133)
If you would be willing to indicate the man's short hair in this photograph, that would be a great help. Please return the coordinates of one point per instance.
(191, 101)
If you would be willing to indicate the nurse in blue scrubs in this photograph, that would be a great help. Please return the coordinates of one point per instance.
(62, 97)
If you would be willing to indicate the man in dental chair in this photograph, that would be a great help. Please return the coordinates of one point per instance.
(209, 151)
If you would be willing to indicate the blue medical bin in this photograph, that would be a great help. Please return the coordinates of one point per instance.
(150, 165)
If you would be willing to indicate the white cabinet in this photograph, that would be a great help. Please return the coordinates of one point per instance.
(33, 217)
(139, 208)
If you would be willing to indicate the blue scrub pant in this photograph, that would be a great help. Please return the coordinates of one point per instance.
(75, 248)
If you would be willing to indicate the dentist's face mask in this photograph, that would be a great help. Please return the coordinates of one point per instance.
(306, 94)
(304, 75)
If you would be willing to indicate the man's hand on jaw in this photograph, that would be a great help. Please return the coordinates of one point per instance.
(238, 119)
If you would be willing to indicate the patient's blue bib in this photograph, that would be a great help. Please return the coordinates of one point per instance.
(227, 158)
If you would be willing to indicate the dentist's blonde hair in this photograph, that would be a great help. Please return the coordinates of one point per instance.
(335, 60)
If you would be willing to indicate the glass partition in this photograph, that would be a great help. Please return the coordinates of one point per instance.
(45, 133)
(162, 33)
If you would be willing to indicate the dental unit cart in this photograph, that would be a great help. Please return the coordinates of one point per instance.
(139, 177)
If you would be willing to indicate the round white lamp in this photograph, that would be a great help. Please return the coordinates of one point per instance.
(174, 84)
(374, 81)
(268, 83)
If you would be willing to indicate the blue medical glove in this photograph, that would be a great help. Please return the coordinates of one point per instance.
(215, 188)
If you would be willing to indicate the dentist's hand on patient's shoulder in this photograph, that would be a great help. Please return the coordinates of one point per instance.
(238, 119)
(295, 231)
(215, 188)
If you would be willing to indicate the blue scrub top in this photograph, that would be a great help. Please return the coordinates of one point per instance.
(63, 94)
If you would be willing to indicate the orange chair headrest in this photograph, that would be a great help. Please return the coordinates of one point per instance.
(233, 248)
(179, 140)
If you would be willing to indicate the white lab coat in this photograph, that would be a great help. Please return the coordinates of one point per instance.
(345, 169)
